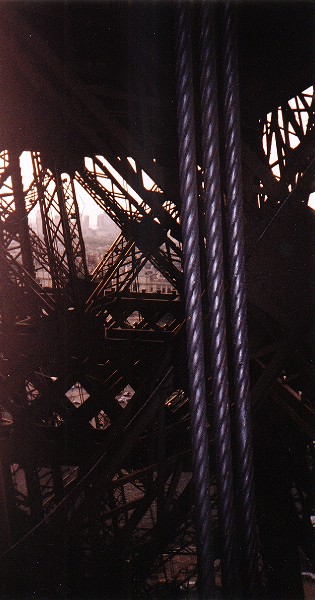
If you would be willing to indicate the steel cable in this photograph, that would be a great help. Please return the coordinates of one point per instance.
(234, 215)
(193, 305)
(216, 300)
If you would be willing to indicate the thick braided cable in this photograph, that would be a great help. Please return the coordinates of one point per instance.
(193, 306)
(234, 206)
(216, 301)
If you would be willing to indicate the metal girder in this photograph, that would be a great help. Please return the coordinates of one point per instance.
(107, 126)
(22, 281)
(20, 213)
(18, 237)
(149, 222)
(281, 152)
(161, 250)
(278, 362)
(114, 274)
(286, 128)
(61, 228)
(13, 211)
(142, 419)
(134, 189)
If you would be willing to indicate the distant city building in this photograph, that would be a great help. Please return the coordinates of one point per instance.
(85, 222)
(149, 280)
(39, 225)
(101, 221)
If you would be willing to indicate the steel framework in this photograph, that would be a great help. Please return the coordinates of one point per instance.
(126, 467)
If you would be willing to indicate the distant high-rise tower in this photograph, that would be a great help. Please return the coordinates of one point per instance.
(85, 222)
(101, 221)
(39, 225)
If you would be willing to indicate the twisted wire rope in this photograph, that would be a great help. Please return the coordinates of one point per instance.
(216, 299)
(234, 216)
(193, 306)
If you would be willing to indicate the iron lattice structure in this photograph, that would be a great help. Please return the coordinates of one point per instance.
(96, 433)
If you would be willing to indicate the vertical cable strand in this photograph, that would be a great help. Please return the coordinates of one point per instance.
(216, 301)
(234, 205)
(193, 307)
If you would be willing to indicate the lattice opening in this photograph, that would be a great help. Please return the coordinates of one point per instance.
(101, 421)
(31, 391)
(125, 395)
(135, 318)
(20, 488)
(6, 418)
(166, 321)
(77, 394)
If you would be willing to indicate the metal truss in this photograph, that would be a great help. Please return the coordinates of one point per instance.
(115, 474)
(281, 157)
(61, 226)
(25, 290)
(135, 219)
(115, 273)
(291, 125)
